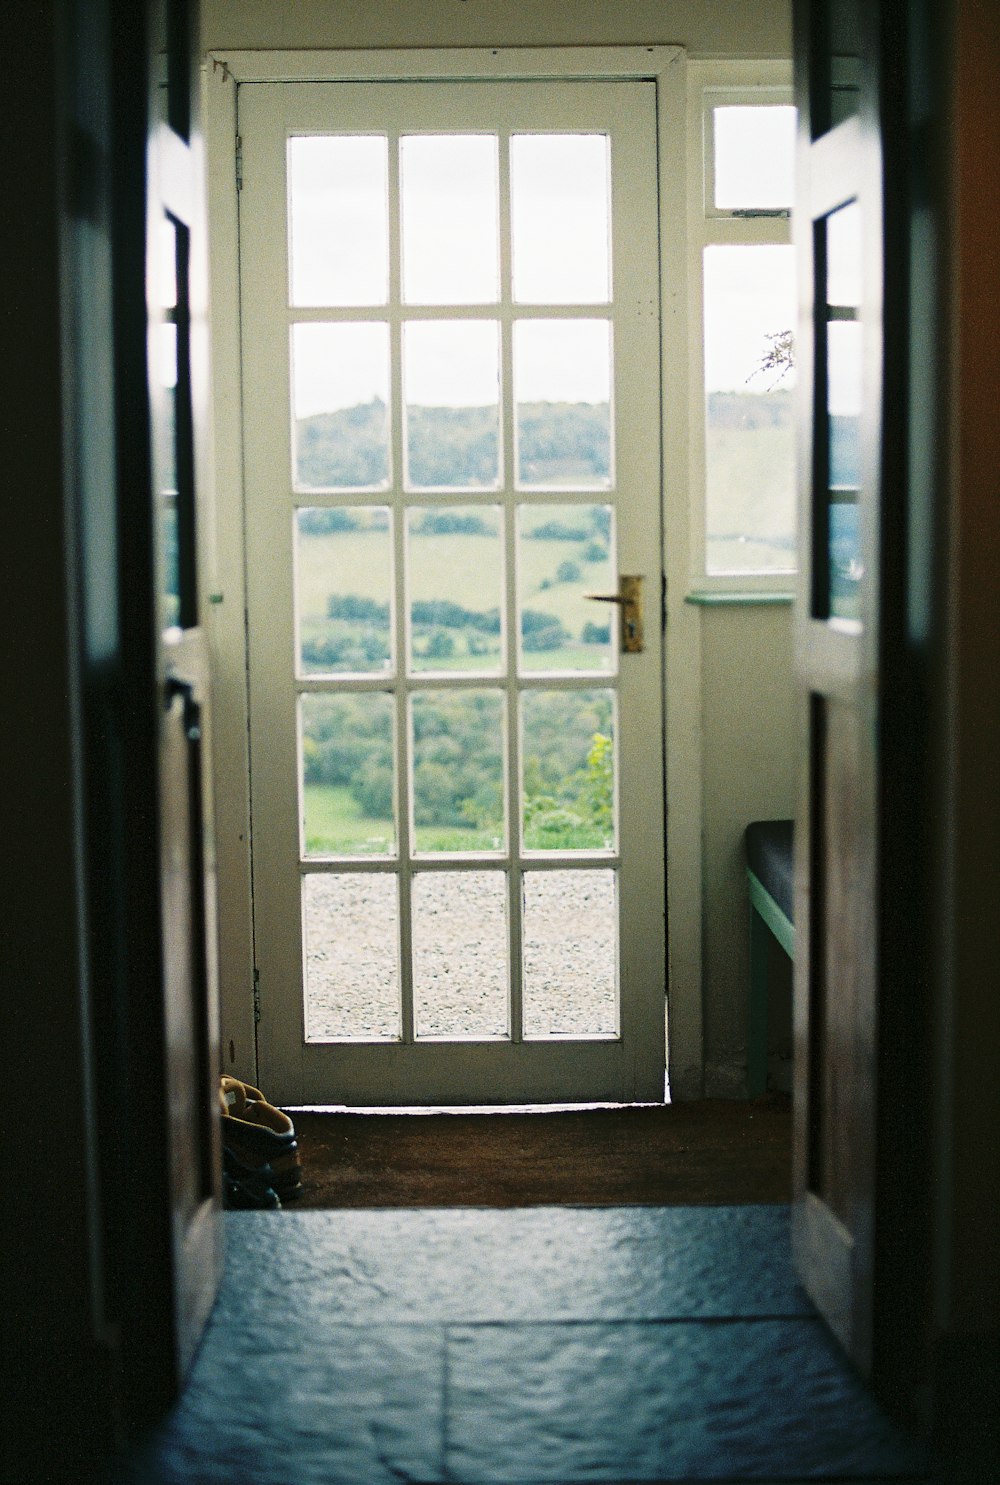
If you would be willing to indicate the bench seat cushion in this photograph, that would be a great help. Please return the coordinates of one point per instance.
(770, 846)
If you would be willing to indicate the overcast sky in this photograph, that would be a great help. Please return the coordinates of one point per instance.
(339, 255)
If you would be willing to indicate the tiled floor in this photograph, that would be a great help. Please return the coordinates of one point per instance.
(540, 1345)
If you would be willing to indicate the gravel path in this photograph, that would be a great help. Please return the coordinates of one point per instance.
(460, 955)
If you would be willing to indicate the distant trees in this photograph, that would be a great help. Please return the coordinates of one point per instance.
(559, 441)
(344, 449)
(452, 447)
(457, 762)
(357, 636)
(320, 520)
(568, 770)
(749, 409)
(540, 631)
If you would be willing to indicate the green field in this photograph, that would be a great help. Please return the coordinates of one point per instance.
(456, 588)
(337, 825)
(350, 771)
(464, 569)
(335, 822)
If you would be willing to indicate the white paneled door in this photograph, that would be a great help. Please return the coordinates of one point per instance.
(451, 418)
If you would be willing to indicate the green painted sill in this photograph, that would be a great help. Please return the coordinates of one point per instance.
(715, 598)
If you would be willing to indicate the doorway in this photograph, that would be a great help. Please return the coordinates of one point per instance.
(451, 401)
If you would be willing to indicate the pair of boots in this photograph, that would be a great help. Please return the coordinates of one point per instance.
(260, 1154)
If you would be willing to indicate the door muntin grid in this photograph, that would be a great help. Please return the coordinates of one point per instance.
(552, 392)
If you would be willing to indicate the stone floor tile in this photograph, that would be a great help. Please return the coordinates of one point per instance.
(703, 1401)
(542, 1263)
(334, 1406)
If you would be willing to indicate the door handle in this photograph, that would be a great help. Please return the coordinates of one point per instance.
(629, 601)
(175, 686)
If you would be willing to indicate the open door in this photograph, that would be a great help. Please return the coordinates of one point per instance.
(861, 1136)
(176, 342)
(113, 1243)
(836, 980)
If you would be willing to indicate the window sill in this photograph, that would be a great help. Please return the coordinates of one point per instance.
(716, 598)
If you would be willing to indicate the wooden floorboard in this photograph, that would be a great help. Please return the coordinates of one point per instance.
(714, 1152)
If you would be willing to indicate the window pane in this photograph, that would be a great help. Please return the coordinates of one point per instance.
(166, 469)
(170, 598)
(844, 377)
(343, 578)
(843, 257)
(565, 552)
(351, 932)
(570, 954)
(338, 219)
(348, 775)
(460, 954)
(562, 388)
(452, 390)
(568, 782)
(455, 576)
(749, 433)
(166, 265)
(846, 570)
(340, 388)
(559, 218)
(754, 158)
(457, 762)
(844, 372)
(450, 219)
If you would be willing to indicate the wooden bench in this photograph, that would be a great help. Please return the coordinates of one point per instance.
(770, 855)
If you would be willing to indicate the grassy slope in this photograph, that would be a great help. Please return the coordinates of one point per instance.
(745, 472)
(336, 824)
(462, 568)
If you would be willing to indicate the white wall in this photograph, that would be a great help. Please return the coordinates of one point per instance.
(738, 28)
(750, 728)
(744, 725)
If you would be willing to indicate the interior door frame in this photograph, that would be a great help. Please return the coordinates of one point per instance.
(666, 67)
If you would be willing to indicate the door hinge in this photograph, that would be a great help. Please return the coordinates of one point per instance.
(256, 997)
(239, 163)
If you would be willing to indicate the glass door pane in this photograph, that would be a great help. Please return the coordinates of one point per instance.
(460, 981)
(562, 404)
(338, 223)
(449, 200)
(570, 954)
(560, 237)
(350, 935)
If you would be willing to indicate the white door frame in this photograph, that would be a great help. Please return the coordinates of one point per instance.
(666, 67)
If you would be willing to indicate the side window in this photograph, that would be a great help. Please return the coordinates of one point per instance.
(742, 399)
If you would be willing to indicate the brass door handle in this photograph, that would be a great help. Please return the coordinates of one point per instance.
(629, 601)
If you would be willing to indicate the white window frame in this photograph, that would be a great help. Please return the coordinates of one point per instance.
(711, 84)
